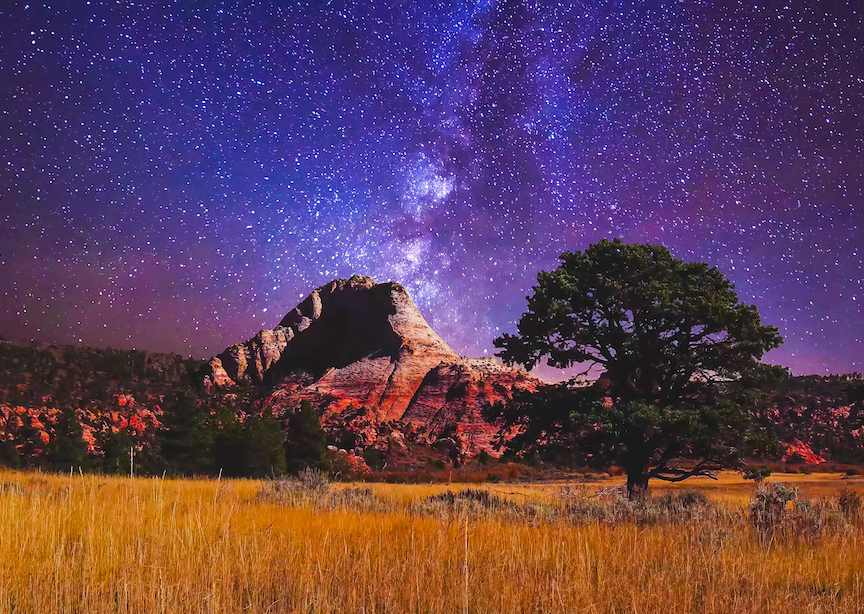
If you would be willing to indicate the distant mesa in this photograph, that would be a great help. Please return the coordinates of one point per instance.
(369, 362)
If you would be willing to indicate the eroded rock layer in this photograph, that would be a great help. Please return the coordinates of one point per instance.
(354, 344)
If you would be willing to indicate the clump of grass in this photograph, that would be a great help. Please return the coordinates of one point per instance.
(611, 506)
(312, 488)
(470, 500)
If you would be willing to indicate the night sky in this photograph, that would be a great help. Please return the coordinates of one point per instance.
(176, 177)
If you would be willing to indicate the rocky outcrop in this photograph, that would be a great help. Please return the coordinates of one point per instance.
(252, 359)
(363, 351)
(449, 402)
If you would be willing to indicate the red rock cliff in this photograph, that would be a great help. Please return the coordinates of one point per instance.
(355, 343)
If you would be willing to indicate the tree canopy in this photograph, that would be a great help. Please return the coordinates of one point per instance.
(670, 363)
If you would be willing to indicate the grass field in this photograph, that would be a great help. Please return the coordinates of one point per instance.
(99, 544)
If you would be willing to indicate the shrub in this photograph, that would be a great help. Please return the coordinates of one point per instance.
(483, 498)
(757, 474)
(849, 501)
(311, 488)
(768, 508)
(511, 472)
(374, 459)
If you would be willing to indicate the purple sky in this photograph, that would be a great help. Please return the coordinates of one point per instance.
(176, 177)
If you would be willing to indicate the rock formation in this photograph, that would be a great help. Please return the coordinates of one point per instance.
(363, 348)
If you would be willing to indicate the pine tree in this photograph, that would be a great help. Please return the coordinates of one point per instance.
(265, 451)
(307, 443)
(230, 446)
(677, 360)
(68, 450)
(115, 452)
(187, 443)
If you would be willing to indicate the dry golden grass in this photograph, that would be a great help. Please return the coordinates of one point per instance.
(98, 544)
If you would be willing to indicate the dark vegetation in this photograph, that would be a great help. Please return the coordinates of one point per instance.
(674, 366)
(118, 410)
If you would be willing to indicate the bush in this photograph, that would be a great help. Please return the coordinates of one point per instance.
(311, 488)
(757, 474)
(482, 498)
(511, 472)
(849, 501)
(483, 503)
(373, 459)
(768, 508)
(806, 518)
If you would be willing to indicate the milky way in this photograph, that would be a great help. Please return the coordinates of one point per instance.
(176, 177)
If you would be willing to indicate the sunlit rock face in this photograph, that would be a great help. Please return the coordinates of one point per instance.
(449, 401)
(354, 344)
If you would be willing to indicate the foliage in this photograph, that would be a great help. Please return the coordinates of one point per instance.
(188, 441)
(68, 449)
(778, 511)
(306, 445)
(768, 508)
(374, 459)
(676, 355)
(31, 373)
(265, 451)
(826, 412)
(757, 474)
(850, 502)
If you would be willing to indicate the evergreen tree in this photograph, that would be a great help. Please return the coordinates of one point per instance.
(9, 456)
(265, 451)
(115, 452)
(230, 445)
(187, 443)
(307, 443)
(68, 450)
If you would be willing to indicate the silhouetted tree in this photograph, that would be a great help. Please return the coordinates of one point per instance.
(68, 449)
(115, 458)
(265, 447)
(677, 360)
(306, 445)
(187, 443)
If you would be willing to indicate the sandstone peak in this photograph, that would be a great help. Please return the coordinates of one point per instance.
(355, 343)
(349, 332)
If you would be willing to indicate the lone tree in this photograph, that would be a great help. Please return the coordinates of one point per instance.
(675, 355)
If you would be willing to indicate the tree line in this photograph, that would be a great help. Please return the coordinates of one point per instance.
(198, 437)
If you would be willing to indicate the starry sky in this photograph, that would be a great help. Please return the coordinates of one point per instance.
(176, 176)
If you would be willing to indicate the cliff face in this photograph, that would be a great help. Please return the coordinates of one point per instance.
(361, 345)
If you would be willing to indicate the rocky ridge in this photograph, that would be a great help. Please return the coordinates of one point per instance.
(372, 365)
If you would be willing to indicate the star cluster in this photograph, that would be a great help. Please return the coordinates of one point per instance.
(176, 176)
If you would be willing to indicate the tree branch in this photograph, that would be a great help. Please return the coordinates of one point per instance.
(704, 468)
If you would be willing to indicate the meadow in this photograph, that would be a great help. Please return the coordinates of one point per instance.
(89, 543)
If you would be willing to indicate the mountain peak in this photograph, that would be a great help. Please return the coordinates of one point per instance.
(362, 352)
(343, 328)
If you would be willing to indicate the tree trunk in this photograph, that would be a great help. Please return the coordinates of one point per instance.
(637, 484)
